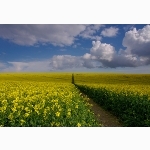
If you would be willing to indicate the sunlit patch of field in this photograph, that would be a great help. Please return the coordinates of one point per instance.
(42, 99)
(38, 77)
(117, 82)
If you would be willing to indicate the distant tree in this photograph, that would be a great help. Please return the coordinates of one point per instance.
(72, 78)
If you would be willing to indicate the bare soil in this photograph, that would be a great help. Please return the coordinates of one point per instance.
(102, 116)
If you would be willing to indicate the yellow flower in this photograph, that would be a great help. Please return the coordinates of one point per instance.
(52, 124)
(3, 109)
(4, 101)
(60, 109)
(57, 114)
(76, 106)
(79, 125)
(69, 109)
(15, 104)
(26, 109)
(26, 114)
(17, 98)
(14, 109)
(57, 124)
(10, 116)
(56, 104)
(69, 113)
(22, 121)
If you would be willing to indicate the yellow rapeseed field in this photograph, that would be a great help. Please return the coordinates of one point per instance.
(126, 95)
(42, 100)
(136, 83)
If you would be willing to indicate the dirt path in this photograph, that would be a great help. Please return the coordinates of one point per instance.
(104, 117)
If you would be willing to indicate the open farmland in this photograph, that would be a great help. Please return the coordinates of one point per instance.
(125, 95)
(50, 99)
(42, 100)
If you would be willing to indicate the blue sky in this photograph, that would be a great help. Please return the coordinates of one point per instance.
(75, 47)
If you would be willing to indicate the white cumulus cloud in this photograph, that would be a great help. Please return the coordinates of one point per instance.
(110, 32)
(137, 42)
(90, 32)
(41, 33)
(65, 62)
(107, 56)
(102, 51)
(101, 55)
(30, 66)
